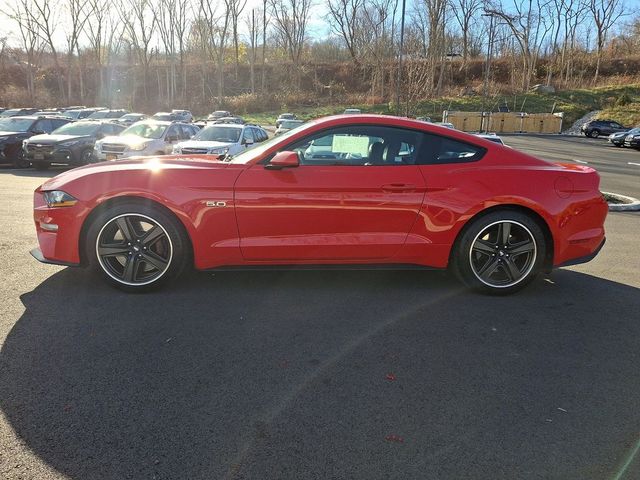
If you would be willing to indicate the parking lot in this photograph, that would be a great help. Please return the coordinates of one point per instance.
(326, 375)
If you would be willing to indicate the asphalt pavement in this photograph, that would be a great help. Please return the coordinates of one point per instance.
(318, 375)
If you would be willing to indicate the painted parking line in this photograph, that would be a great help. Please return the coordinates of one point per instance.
(580, 161)
(633, 163)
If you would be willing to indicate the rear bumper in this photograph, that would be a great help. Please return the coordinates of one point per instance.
(585, 258)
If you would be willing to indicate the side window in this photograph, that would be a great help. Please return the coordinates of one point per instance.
(172, 133)
(45, 125)
(193, 129)
(185, 134)
(439, 150)
(58, 123)
(263, 134)
(361, 145)
(247, 135)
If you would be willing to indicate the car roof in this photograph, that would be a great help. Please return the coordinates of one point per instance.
(232, 125)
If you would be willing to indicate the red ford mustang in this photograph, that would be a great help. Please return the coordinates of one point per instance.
(353, 191)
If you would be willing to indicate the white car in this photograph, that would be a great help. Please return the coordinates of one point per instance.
(492, 137)
(286, 125)
(351, 111)
(222, 139)
(149, 137)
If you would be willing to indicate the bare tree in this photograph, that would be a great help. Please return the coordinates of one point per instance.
(22, 13)
(213, 27)
(605, 13)
(236, 7)
(139, 24)
(47, 21)
(464, 12)
(78, 12)
(346, 16)
(253, 26)
(290, 18)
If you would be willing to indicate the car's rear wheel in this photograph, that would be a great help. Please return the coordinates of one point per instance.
(137, 247)
(500, 253)
(86, 156)
(595, 133)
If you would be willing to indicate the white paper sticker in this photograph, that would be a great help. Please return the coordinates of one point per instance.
(352, 144)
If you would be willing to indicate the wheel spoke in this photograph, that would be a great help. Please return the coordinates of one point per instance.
(488, 268)
(130, 268)
(482, 246)
(504, 233)
(522, 247)
(511, 269)
(112, 250)
(154, 260)
(152, 236)
(125, 226)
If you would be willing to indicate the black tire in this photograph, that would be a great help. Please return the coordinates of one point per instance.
(595, 133)
(127, 260)
(485, 262)
(18, 160)
(86, 156)
(41, 165)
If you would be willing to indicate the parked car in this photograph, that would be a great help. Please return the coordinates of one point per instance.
(287, 125)
(81, 113)
(445, 125)
(218, 114)
(284, 116)
(182, 115)
(107, 114)
(164, 117)
(149, 137)
(130, 118)
(15, 112)
(596, 128)
(490, 218)
(632, 140)
(424, 119)
(236, 120)
(71, 144)
(618, 138)
(222, 139)
(352, 111)
(14, 130)
(492, 137)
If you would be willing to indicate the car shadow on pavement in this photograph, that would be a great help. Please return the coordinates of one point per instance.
(325, 375)
(29, 172)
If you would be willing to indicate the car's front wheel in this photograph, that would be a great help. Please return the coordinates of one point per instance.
(500, 253)
(137, 247)
(18, 158)
(595, 133)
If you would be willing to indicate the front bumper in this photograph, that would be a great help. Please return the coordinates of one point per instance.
(37, 254)
(63, 155)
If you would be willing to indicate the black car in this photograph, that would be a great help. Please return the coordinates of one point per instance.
(14, 130)
(596, 128)
(632, 139)
(617, 139)
(71, 144)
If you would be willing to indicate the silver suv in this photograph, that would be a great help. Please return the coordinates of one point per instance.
(149, 137)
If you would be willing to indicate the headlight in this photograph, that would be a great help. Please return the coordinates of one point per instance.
(219, 151)
(58, 198)
(138, 146)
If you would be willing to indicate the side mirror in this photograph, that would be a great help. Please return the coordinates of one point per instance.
(248, 142)
(283, 160)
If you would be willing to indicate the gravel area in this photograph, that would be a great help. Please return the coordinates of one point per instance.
(575, 128)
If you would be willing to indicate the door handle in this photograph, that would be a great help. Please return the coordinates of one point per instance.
(398, 187)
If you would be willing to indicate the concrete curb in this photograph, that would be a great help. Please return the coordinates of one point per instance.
(630, 204)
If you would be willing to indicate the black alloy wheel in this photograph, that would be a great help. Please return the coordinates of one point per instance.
(137, 247)
(499, 253)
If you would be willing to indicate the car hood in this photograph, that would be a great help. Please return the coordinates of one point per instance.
(203, 144)
(8, 134)
(49, 139)
(149, 165)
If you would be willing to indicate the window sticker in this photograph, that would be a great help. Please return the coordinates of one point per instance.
(355, 145)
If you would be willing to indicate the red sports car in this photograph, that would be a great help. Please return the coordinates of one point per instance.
(355, 191)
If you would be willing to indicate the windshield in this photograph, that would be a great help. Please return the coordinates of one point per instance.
(146, 130)
(15, 124)
(82, 128)
(633, 131)
(218, 134)
(259, 149)
(99, 114)
(290, 124)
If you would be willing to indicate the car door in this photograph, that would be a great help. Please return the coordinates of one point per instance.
(356, 199)
(171, 138)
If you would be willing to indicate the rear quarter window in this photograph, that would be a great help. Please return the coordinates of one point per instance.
(438, 150)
